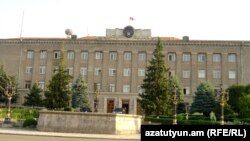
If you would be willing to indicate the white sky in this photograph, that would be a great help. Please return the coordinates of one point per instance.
(198, 19)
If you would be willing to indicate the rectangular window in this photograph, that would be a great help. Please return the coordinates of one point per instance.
(142, 56)
(42, 69)
(43, 54)
(201, 74)
(201, 57)
(186, 73)
(113, 55)
(216, 74)
(98, 55)
(84, 55)
(83, 71)
(171, 73)
(56, 54)
(186, 90)
(70, 70)
(28, 69)
(186, 57)
(98, 71)
(232, 74)
(127, 56)
(232, 57)
(126, 88)
(112, 72)
(30, 54)
(216, 57)
(71, 55)
(27, 85)
(141, 72)
(41, 85)
(111, 87)
(126, 72)
(171, 57)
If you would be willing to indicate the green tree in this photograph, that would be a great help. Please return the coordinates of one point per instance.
(204, 100)
(58, 94)
(235, 92)
(79, 93)
(244, 105)
(155, 98)
(34, 97)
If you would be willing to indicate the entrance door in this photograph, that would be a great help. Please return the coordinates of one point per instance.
(125, 105)
(110, 106)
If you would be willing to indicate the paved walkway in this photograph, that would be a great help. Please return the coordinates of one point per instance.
(21, 131)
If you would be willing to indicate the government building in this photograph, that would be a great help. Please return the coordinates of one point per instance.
(116, 63)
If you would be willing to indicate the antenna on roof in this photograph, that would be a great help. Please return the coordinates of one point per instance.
(21, 27)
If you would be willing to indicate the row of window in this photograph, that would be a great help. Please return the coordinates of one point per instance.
(186, 57)
(141, 72)
(83, 71)
(112, 87)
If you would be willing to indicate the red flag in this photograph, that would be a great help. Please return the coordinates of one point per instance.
(131, 18)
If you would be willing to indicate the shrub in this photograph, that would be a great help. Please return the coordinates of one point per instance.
(67, 109)
(30, 122)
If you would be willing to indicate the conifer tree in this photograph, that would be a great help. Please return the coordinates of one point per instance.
(79, 93)
(34, 98)
(155, 96)
(58, 94)
(204, 100)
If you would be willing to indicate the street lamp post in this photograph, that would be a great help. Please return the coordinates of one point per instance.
(9, 93)
(222, 104)
(175, 107)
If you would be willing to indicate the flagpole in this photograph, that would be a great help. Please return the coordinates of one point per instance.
(21, 27)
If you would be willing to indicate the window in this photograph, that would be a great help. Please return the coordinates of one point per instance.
(84, 55)
(126, 88)
(186, 90)
(27, 85)
(140, 89)
(56, 54)
(28, 69)
(216, 57)
(98, 71)
(186, 57)
(41, 85)
(217, 74)
(70, 70)
(201, 57)
(232, 57)
(71, 55)
(112, 72)
(186, 73)
(171, 73)
(201, 74)
(97, 86)
(232, 74)
(171, 57)
(127, 56)
(98, 55)
(141, 72)
(43, 54)
(112, 87)
(55, 70)
(42, 69)
(30, 54)
(142, 56)
(126, 72)
(113, 55)
(83, 71)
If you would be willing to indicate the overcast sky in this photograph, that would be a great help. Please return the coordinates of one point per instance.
(198, 19)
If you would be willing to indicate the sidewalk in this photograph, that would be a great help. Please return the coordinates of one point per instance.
(21, 131)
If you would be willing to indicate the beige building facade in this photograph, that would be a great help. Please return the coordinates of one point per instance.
(117, 63)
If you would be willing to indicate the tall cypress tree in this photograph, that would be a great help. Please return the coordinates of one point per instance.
(154, 98)
(79, 93)
(34, 98)
(58, 94)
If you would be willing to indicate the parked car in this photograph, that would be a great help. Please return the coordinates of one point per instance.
(85, 109)
(119, 111)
